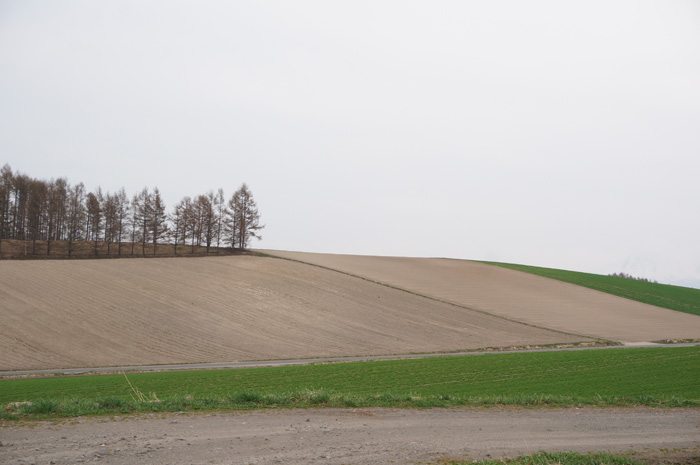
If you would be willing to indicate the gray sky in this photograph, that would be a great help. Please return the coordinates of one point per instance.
(560, 134)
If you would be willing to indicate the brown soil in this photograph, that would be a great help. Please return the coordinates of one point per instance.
(517, 295)
(86, 313)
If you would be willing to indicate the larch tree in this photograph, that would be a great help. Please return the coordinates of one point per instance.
(111, 221)
(158, 226)
(188, 221)
(123, 210)
(220, 215)
(20, 186)
(208, 217)
(144, 208)
(5, 192)
(95, 218)
(56, 211)
(135, 222)
(178, 224)
(194, 220)
(36, 207)
(244, 218)
(75, 215)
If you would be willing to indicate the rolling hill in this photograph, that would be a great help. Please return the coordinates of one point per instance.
(86, 313)
(517, 295)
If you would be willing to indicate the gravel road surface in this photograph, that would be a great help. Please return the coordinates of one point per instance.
(346, 436)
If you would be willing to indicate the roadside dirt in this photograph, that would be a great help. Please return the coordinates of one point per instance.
(517, 295)
(365, 436)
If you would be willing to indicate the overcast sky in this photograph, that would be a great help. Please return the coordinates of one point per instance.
(550, 133)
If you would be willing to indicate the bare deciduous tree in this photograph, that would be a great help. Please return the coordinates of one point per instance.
(244, 218)
(142, 210)
(75, 216)
(158, 227)
(111, 220)
(56, 214)
(123, 210)
(207, 217)
(94, 216)
(220, 215)
(5, 192)
(178, 224)
(34, 210)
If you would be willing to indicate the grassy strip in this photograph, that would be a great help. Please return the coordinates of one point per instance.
(682, 299)
(561, 458)
(244, 400)
(611, 372)
(663, 377)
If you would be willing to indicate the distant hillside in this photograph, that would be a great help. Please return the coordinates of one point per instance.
(519, 296)
(683, 299)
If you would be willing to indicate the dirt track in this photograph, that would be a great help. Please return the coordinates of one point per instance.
(62, 314)
(521, 296)
(332, 436)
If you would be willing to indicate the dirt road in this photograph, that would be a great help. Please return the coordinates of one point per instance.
(335, 436)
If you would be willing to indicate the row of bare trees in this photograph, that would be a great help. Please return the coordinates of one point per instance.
(629, 276)
(37, 210)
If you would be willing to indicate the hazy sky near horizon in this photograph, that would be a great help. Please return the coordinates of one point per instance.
(560, 134)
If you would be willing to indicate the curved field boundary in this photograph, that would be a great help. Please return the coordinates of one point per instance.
(683, 299)
(516, 295)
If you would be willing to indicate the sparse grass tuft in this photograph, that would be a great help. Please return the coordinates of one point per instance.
(112, 403)
(561, 458)
(247, 397)
(41, 406)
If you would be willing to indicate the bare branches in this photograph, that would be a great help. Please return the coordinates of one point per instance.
(243, 218)
(39, 213)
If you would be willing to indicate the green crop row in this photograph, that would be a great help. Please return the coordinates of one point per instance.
(654, 376)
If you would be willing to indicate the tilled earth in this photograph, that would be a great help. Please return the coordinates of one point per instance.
(346, 436)
(516, 295)
(92, 313)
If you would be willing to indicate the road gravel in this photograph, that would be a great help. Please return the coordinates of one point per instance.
(346, 436)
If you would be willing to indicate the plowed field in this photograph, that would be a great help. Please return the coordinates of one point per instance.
(86, 313)
(517, 295)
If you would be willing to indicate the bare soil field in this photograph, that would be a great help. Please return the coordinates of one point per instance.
(517, 295)
(365, 436)
(88, 313)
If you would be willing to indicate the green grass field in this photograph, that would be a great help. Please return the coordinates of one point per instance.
(658, 376)
(683, 299)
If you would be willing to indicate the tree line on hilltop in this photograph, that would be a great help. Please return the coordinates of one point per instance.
(629, 276)
(34, 210)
